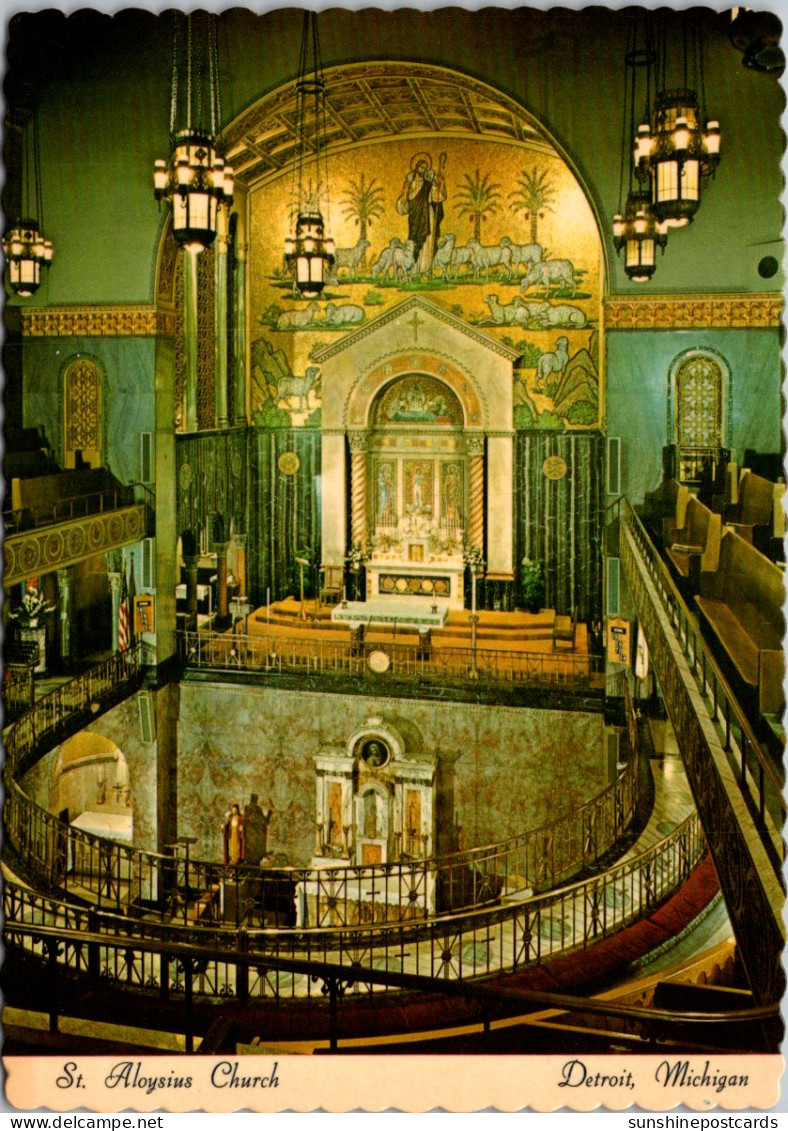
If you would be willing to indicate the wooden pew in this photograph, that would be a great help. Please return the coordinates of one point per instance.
(742, 603)
(755, 505)
(676, 520)
(694, 547)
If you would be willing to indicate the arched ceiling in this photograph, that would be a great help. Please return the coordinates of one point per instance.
(373, 102)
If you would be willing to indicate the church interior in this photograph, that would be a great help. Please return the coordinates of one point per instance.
(394, 521)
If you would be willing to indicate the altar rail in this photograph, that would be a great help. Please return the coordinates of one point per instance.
(118, 877)
(250, 964)
(289, 655)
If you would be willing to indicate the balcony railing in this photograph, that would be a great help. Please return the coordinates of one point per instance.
(282, 654)
(503, 939)
(737, 788)
(199, 893)
(66, 509)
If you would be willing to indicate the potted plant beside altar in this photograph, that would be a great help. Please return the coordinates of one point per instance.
(532, 585)
(355, 562)
(31, 626)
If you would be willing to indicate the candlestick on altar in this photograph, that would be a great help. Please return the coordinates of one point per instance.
(268, 606)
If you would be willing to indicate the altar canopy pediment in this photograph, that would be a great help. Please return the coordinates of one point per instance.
(416, 336)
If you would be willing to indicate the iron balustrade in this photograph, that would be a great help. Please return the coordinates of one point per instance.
(18, 690)
(277, 654)
(65, 509)
(117, 876)
(756, 774)
(736, 787)
(69, 706)
(250, 964)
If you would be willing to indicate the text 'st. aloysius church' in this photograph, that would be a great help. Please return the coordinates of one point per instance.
(394, 528)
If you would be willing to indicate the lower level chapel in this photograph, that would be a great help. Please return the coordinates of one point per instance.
(394, 560)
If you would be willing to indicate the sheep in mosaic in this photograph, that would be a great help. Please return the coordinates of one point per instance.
(485, 256)
(384, 263)
(350, 257)
(442, 257)
(545, 274)
(554, 362)
(347, 315)
(298, 319)
(522, 253)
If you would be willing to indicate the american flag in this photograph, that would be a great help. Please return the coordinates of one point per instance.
(124, 631)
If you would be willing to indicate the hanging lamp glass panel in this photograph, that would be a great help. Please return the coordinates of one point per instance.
(27, 251)
(680, 153)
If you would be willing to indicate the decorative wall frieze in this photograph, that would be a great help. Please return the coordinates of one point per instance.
(693, 312)
(97, 322)
(54, 547)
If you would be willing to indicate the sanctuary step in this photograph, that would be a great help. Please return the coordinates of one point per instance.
(495, 631)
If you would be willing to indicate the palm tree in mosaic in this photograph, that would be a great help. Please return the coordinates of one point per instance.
(477, 199)
(534, 196)
(363, 203)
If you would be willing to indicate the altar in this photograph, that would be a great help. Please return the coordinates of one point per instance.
(424, 582)
(402, 612)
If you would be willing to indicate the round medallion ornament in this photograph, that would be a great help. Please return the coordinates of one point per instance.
(554, 467)
(379, 661)
(289, 463)
(185, 476)
(236, 463)
(375, 752)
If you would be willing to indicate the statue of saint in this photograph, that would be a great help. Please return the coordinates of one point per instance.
(233, 834)
(256, 822)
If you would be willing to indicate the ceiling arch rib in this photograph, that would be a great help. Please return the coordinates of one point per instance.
(377, 101)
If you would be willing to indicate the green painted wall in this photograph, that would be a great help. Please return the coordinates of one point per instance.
(639, 364)
(127, 365)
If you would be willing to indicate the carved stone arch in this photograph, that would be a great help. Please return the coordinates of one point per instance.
(385, 371)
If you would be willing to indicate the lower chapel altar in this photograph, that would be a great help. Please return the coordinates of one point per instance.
(424, 403)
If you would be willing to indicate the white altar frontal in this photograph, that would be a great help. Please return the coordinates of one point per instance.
(402, 612)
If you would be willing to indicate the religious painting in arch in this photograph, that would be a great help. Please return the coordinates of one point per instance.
(492, 224)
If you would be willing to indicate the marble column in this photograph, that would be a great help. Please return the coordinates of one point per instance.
(500, 523)
(239, 384)
(358, 488)
(220, 322)
(64, 611)
(114, 589)
(190, 339)
(191, 562)
(474, 446)
(333, 505)
(240, 541)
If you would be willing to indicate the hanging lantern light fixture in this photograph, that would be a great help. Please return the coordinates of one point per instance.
(636, 229)
(309, 251)
(24, 245)
(674, 150)
(195, 177)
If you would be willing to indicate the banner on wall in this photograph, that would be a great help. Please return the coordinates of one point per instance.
(144, 613)
(619, 641)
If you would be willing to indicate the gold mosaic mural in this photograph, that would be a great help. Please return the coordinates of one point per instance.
(500, 234)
